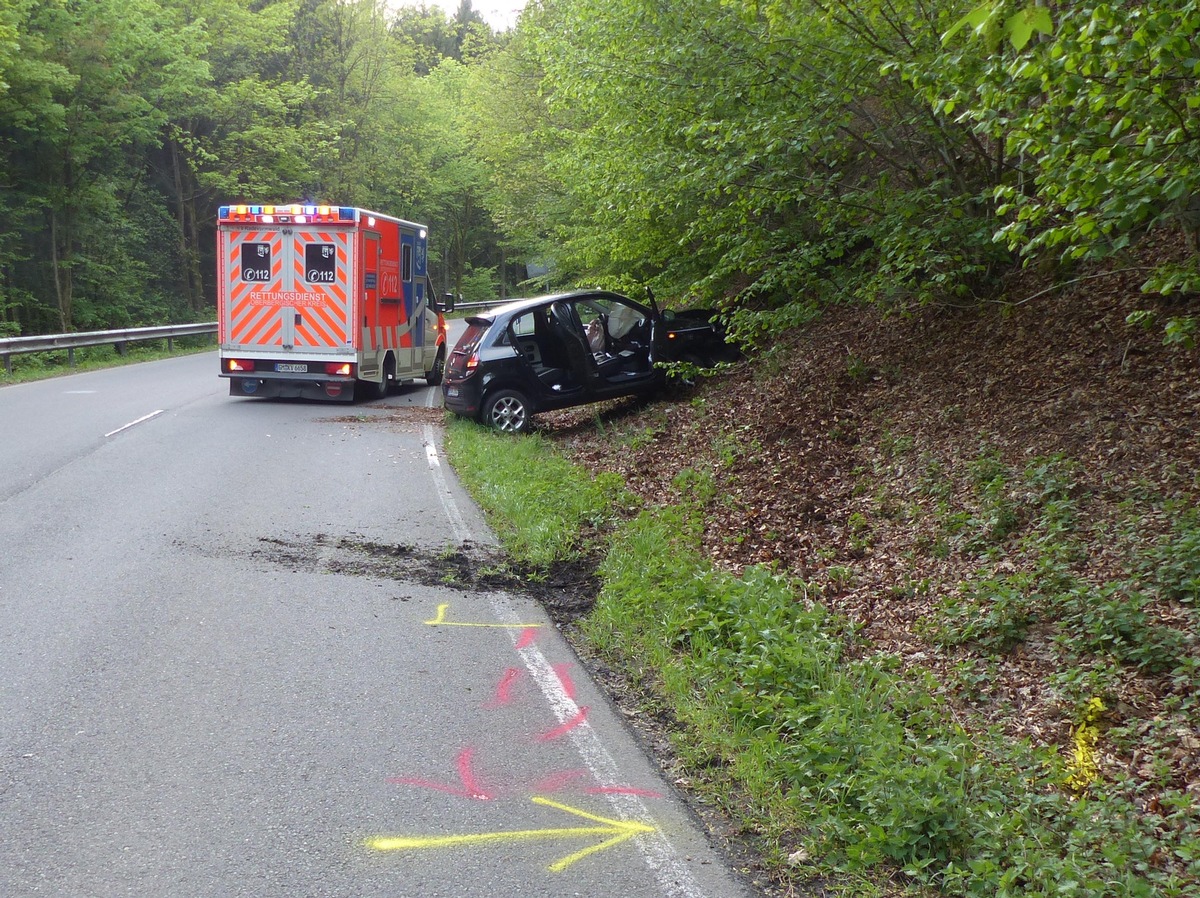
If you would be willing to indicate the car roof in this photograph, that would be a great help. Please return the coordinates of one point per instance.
(517, 306)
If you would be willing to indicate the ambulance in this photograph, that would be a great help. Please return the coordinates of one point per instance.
(324, 302)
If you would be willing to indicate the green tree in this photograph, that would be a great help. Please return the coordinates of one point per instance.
(192, 169)
(431, 35)
(30, 81)
(77, 134)
(769, 151)
(457, 181)
(1095, 111)
(525, 200)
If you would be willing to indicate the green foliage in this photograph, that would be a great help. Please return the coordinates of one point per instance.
(992, 23)
(1094, 118)
(125, 124)
(721, 148)
(770, 158)
(1173, 564)
(1107, 619)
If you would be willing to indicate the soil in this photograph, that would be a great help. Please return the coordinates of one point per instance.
(567, 591)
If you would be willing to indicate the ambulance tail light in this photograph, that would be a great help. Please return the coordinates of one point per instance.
(339, 369)
(239, 366)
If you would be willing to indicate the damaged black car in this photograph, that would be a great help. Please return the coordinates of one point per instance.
(552, 352)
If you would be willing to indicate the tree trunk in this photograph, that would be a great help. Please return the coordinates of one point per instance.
(189, 240)
(503, 274)
(60, 266)
(461, 223)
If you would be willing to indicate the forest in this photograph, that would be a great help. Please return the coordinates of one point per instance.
(960, 241)
(768, 157)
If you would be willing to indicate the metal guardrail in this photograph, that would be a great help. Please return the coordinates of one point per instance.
(479, 305)
(10, 346)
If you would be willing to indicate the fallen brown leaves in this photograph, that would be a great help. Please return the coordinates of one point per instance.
(823, 454)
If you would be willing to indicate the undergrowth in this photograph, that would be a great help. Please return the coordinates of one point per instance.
(848, 770)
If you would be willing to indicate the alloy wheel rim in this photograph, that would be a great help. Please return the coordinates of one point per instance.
(509, 414)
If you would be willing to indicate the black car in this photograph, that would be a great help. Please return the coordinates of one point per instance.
(534, 355)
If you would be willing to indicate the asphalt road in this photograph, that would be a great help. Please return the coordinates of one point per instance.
(229, 666)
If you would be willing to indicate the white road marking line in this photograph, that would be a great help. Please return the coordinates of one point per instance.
(657, 851)
(153, 414)
(457, 525)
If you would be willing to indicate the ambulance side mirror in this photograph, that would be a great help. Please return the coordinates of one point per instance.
(447, 303)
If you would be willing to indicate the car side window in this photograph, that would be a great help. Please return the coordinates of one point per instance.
(523, 325)
(523, 330)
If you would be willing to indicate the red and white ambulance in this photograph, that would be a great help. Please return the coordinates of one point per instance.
(314, 301)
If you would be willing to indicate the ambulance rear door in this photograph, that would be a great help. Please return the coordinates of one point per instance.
(288, 292)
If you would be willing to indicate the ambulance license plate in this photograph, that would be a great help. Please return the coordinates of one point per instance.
(290, 368)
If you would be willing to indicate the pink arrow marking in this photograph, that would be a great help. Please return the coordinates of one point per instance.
(503, 694)
(560, 671)
(470, 786)
(559, 731)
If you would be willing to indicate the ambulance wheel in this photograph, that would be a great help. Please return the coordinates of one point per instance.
(371, 391)
(389, 376)
(433, 376)
(506, 411)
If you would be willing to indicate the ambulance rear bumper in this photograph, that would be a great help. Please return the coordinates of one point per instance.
(329, 389)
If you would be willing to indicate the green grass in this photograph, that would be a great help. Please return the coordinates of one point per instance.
(41, 365)
(540, 505)
(848, 771)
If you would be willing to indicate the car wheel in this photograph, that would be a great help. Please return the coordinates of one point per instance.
(692, 358)
(507, 411)
(433, 376)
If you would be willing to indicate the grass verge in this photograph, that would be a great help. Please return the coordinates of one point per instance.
(543, 508)
(847, 771)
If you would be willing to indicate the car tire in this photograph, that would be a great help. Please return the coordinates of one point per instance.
(692, 358)
(506, 411)
(433, 376)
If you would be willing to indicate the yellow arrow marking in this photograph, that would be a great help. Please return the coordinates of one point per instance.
(619, 830)
(440, 621)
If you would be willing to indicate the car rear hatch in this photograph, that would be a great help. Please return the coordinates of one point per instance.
(463, 358)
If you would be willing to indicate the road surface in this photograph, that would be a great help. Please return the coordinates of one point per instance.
(234, 661)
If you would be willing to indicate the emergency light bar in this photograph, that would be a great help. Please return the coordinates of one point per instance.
(296, 213)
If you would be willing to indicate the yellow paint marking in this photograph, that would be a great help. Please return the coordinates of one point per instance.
(619, 830)
(440, 621)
